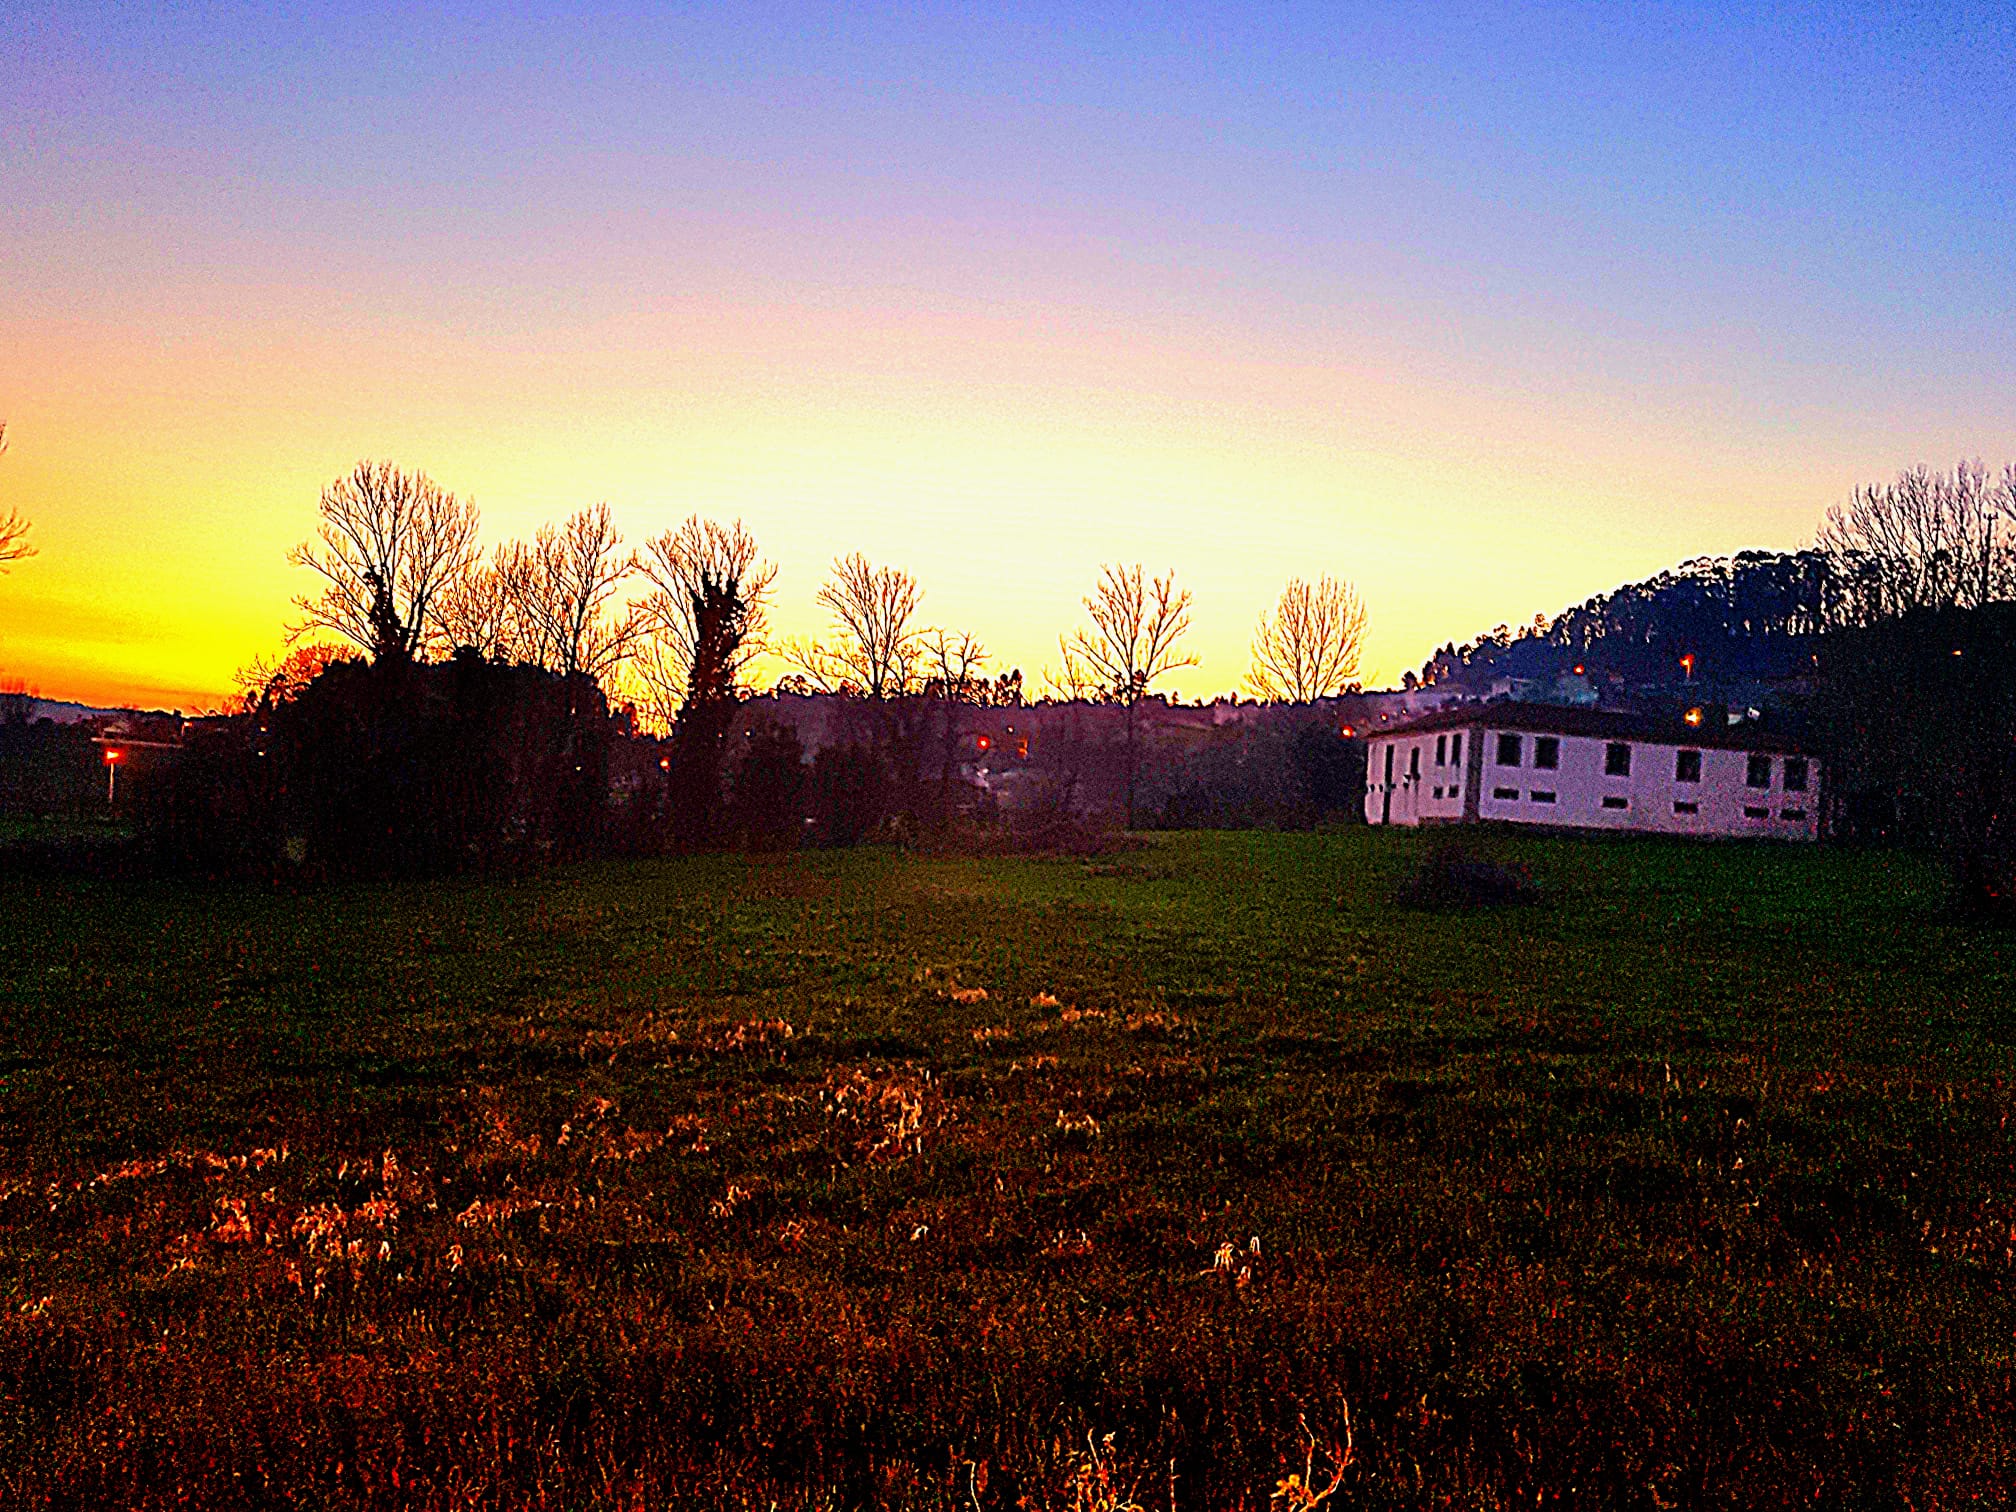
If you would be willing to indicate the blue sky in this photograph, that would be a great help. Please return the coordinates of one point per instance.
(1659, 279)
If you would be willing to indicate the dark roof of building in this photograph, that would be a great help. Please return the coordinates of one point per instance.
(1593, 724)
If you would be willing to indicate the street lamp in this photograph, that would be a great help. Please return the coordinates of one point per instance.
(113, 756)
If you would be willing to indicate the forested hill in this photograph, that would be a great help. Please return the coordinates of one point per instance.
(1745, 617)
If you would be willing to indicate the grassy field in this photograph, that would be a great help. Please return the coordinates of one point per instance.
(718, 1182)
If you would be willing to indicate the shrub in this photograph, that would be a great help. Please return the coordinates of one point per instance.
(1451, 878)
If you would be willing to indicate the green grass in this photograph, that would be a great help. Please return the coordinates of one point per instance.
(1690, 1188)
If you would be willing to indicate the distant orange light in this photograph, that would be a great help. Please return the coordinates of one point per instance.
(665, 763)
(1347, 731)
(1693, 716)
(986, 743)
(113, 755)
(1578, 669)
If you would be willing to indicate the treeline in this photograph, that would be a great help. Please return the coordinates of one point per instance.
(444, 707)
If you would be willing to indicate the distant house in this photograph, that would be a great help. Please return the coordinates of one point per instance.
(1546, 764)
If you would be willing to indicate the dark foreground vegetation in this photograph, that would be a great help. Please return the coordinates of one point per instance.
(851, 1179)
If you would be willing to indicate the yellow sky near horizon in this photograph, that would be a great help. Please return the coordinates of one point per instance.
(1486, 315)
(1001, 455)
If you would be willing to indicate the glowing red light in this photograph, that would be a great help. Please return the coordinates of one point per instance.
(113, 755)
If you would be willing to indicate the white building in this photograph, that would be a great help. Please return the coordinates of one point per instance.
(1546, 764)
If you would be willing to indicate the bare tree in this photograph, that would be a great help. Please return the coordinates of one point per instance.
(14, 542)
(952, 664)
(485, 608)
(874, 651)
(282, 678)
(689, 569)
(1308, 648)
(1132, 641)
(566, 592)
(1929, 540)
(389, 544)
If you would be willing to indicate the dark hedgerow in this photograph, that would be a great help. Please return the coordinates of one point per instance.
(1451, 878)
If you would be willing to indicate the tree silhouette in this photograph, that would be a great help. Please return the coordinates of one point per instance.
(684, 566)
(874, 652)
(14, 542)
(719, 612)
(1925, 541)
(389, 544)
(567, 595)
(1132, 641)
(1308, 648)
(952, 666)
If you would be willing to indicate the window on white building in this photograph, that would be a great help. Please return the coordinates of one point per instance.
(1758, 774)
(1441, 750)
(1546, 753)
(1686, 806)
(1612, 801)
(1617, 759)
(1456, 750)
(1541, 795)
(1795, 774)
(1504, 792)
(1686, 766)
(1508, 750)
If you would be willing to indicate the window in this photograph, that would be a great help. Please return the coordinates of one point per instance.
(1614, 802)
(1438, 792)
(1541, 795)
(1686, 806)
(1504, 792)
(1795, 815)
(1457, 791)
(1687, 766)
(1456, 749)
(1795, 774)
(1546, 752)
(1508, 750)
(1759, 773)
(1617, 760)
(1441, 750)
(1750, 811)
(1414, 762)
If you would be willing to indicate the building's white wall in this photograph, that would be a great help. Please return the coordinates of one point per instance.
(1723, 798)
(1422, 791)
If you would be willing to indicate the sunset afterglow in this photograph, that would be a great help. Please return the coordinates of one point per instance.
(1485, 312)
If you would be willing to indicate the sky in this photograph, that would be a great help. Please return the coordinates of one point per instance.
(1487, 309)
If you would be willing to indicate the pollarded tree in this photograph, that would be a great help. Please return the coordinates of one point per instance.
(390, 543)
(1132, 641)
(1308, 647)
(720, 612)
(688, 569)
